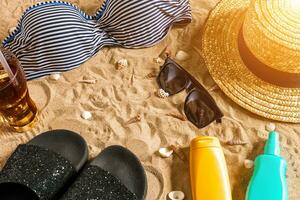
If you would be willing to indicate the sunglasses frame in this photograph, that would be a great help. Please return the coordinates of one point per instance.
(191, 85)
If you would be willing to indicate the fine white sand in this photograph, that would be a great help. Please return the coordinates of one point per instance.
(120, 95)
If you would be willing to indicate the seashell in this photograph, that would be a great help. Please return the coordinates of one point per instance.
(176, 195)
(93, 81)
(214, 88)
(11, 30)
(178, 151)
(132, 77)
(248, 163)
(134, 120)
(165, 152)
(181, 55)
(86, 115)
(158, 60)
(55, 77)
(177, 116)
(151, 75)
(236, 141)
(162, 94)
(167, 53)
(122, 64)
(270, 127)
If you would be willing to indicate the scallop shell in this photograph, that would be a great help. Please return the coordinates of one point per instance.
(270, 127)
(162, 94)
(55, 77)
(248, 163)
(165, 152)
(86, 115)
(181, 55)
(176, 195)
(122, 64)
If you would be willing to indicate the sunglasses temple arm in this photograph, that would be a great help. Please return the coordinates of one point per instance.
(219, 116)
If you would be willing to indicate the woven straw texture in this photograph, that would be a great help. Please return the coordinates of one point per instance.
(275, 24)
(220, 49)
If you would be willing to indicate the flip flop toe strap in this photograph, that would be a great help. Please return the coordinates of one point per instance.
(98, 184)
(42, 171)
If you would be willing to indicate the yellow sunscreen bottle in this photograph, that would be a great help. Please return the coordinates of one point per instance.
(208, 170)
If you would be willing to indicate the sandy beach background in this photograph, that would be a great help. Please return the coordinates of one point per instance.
(120, 95)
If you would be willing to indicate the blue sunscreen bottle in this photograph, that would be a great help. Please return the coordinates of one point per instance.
(269, 177)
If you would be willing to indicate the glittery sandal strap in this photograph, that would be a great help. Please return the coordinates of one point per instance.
(98, 184)
(42, 171)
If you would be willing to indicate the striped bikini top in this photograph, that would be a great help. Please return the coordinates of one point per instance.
(56, 36)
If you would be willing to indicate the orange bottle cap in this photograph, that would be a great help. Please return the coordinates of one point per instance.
(205, 141)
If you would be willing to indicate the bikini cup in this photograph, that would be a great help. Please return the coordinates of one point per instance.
(56, 36)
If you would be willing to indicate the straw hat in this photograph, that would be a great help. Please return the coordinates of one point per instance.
(252, 51)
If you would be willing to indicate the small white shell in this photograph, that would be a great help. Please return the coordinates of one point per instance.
(55, 76)
(122, 63)
(248, 163)
(176, 195)
(11, 30)
(86, 115)
(181, 55)
(270, 127)
(162, 94)
(165, 152)
(158, 60)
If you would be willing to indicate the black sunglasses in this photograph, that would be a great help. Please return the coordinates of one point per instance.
(199, 107)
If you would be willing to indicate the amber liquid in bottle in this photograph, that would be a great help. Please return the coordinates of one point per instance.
(16, 106)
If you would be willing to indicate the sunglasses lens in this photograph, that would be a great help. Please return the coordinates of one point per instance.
(198, 109)
(172, 79)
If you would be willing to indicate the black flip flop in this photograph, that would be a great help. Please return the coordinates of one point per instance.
(115, 174)
(42, 167)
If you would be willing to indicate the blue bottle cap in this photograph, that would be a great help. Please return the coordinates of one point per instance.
(272, 146)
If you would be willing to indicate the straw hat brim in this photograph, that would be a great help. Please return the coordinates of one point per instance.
(221, 54)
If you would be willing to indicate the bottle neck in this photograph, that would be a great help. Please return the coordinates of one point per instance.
(272, 146)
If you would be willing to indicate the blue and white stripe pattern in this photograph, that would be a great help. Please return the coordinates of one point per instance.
(56, 36)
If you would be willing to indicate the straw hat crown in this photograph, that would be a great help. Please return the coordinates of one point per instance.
(252, 51)
(271, 31)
